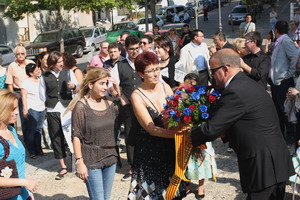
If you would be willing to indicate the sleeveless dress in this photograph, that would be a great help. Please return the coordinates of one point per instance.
(154, 162)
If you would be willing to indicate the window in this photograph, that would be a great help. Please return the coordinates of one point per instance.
(68, 35)
(102, 30)
(97, 33)
(5, 50)
(179, 9)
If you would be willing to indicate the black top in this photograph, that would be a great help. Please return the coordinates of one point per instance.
(57, 89)
(109, 63)
(171, 70)
(260, 64)
(187, 39)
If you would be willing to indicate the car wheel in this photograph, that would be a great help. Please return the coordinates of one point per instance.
(79, 51)
(94, 48)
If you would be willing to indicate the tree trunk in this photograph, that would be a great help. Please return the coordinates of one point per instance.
(60, 27)
(153, 12)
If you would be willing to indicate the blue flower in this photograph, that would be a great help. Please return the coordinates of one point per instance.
(216, 93)
(201, 91)
(203, 108)
(172, 113)
(172, 97)
(176, 119)
(197, 87)
(178, 92)
(195, 95)
(165, 106)
(187, 111)
(205, 115)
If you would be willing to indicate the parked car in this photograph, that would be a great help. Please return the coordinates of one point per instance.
(93, 37)
(119, 28)
(176, 9)
(191, 11)
(238, 14)
(142, 23)
(74, 42)
(8, 55)
(164, 31)
(161, 13)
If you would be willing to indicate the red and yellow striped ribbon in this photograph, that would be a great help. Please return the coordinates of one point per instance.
(183, 147)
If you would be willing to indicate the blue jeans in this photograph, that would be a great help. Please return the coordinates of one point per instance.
(34, 124)
(100, 182)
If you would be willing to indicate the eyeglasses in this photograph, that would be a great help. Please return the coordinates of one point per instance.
(247, 41)
(134, 49)
(20, 54)
(144, 43)
(152, 71)
(213, 71)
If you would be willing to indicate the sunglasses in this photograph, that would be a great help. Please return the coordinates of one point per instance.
(213, 71)
(20, 54)
(144, 43)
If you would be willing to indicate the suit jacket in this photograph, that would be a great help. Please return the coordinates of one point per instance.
(248, 116)
(284, 60)
(227, 45)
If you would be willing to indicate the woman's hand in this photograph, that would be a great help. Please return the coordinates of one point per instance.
(82, 171)
(292, 92)
(116, 87)
(25, 113)
(31, 185)
(71, 85)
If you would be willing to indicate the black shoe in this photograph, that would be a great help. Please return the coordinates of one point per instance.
(33, 156)
(126, 177)
(200, 196)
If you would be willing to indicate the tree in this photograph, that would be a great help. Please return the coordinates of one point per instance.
(17, 8)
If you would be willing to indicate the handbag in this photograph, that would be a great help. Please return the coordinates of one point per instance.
(8, 169)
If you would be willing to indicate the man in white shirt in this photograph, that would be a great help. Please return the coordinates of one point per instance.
(195, 56)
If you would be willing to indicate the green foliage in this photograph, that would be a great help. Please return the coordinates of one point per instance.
(17, 8)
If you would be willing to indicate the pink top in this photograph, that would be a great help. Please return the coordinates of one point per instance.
(97, 61)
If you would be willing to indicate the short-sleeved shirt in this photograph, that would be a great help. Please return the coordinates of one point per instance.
(98, 61)
(247, 28)
(17, 153)
(33, 95)
(16, 74)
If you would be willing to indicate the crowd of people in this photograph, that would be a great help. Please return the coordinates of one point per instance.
(127, 85)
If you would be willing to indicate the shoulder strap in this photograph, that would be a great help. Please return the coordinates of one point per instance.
(164, 88)
(147, 98)
(6, 148)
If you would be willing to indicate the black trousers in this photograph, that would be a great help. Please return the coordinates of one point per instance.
(56, 135)
(274, 192)
(279, 96)
(203, 76)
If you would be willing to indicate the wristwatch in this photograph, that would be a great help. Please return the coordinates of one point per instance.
(298, 94)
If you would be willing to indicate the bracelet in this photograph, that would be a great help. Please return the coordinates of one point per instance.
(74, 88)
(78, 158)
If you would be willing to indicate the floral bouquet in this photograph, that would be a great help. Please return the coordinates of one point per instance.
(185, 110)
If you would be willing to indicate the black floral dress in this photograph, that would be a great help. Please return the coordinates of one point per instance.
(154, 162)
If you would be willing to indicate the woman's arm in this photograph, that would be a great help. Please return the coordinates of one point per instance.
(29, 184)
(145, 119)
(24, 101)
(82, 171)
(79, 76)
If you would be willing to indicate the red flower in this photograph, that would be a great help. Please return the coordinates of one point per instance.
(187, 118)
(192, 107)
(176, 97)
(178, 113)
(212, 98)
(175, 103)
(191, 89)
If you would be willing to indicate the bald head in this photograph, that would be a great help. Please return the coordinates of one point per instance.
(226, 57)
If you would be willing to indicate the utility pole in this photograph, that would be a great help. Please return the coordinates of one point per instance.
(196, 13)
(146, 15)
(220, 16)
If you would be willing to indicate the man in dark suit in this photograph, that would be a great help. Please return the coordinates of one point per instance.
(248, 117)
(220, 41)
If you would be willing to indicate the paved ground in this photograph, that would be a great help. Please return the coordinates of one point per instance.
(227, 186)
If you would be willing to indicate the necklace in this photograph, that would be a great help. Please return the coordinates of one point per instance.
(163, 60)
(95, 100)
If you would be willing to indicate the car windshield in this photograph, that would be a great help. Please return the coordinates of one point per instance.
(117, 27)
(143, 21)
(161, 11)
(239, 10)
(46, 37)
(87, 32)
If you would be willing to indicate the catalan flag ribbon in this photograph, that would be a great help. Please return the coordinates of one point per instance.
(183, 148)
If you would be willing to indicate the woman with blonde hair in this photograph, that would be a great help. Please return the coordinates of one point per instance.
(239, 47)
(8, 115)
(93, 122)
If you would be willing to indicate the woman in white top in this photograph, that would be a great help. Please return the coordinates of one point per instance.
(173, 36)
(33, 110)
(273, 18)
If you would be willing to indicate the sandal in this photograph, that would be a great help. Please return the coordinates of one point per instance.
(60, 176)
(33, 156)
